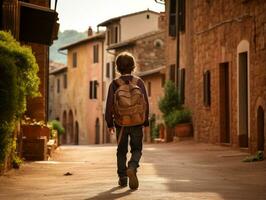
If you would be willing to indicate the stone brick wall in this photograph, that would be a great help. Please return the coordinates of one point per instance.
(216, 32)
(220, 27)
(149, 52)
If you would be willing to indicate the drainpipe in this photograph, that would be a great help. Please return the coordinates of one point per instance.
(55, 5)
(103, 92)
(177, 43)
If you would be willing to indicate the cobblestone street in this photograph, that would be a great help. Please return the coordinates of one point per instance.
(183, 170)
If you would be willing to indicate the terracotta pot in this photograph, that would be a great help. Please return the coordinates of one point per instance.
(184, 130)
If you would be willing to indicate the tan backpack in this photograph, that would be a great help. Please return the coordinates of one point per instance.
(129, 103)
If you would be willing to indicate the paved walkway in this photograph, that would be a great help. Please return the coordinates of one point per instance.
(184, 170)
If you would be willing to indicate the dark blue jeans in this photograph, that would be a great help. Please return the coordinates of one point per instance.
(135, 134)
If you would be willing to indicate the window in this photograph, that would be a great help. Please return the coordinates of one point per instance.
(207, 88)
(113, 70)
(116, 35)
(181, 16)
(162, 80)
(65, 81)
(58, 85)
(182, 85)
(149, 89)
(93, 89)
(158, 43)
(172, 73)
(172, 18)
(108, 70)
(96, 53)
(74, 59)
(95, 83)
(103, 90)
(148, 16)
(112, 34)
(108, 37)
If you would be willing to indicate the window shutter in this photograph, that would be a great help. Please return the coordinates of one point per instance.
(108, 70)
(207, 88)
(116, 34)
(172, 18)
(65, 81)
(182, 14)
(96, 53)
(113, 70)
(108, 36)
(162, 80)
(74, 59)
(95, 83)
(149, 89)
(172, 73)
(58, 85)
(91, 88)
(182, 86)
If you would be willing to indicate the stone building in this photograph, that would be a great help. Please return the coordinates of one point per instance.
(78, 91)
(120, 29)
(57, 94)
(223, 44)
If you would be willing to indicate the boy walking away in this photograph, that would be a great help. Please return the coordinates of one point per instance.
(127, 110)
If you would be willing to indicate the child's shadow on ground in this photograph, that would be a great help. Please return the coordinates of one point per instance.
(110, 195)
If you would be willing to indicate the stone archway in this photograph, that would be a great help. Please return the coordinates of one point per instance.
(64, 136)
(70, 135)
(76, 133)
(97, 131)
(243, 93)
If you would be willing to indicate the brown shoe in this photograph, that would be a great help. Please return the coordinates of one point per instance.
(122, 181)
(133, 179)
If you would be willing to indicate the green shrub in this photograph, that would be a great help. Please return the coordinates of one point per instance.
(178, 117)
(56, 125)
(18, 80)
(8, 89)
(155, 131)
(26, 66)
(170, 101)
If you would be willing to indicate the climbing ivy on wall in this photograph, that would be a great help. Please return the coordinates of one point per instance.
(18, 80)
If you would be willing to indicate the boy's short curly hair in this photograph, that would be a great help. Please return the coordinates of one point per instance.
(125, 63)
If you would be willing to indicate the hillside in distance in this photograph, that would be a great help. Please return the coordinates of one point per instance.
(64, 38)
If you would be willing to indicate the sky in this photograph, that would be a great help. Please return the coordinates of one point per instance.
(80, 14)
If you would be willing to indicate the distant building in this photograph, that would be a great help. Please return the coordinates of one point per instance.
(81, 100)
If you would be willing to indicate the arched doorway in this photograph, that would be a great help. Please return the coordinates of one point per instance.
(243, 93)
(97, 131)
(76, 133)
(70, 138)
(64, 136)
(260, 128)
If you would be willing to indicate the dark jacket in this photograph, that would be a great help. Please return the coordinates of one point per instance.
(109, 116)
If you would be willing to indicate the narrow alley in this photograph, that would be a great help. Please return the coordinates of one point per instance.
(183, 170)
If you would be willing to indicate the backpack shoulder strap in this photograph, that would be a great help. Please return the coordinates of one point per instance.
(134, 80)
(119, 81)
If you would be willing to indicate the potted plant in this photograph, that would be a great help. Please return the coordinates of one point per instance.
(180, 120)
(175, 115)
